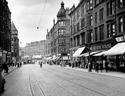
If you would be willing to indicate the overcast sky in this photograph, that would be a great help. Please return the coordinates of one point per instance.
(27, 15)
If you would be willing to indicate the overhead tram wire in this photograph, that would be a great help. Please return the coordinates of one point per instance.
(44, 6)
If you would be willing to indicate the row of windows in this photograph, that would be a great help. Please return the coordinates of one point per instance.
(78, 40)
(61, 23)
(90, 20)
(121, 24)
(111, 8)
(61, 32)
(110, 11)
(99, 33)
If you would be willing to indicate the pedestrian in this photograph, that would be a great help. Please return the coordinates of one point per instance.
(5, 67)
(41, 64)
(97, 66)
(90, 67)
(101, 66)
(106, 66)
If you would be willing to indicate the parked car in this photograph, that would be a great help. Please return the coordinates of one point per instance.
(2, 80)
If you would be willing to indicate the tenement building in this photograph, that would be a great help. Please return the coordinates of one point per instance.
(14, 43)
(48, 44)
(97, 26)
(5, 32)
(59, 35)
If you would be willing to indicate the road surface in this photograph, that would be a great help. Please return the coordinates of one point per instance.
(51, 80)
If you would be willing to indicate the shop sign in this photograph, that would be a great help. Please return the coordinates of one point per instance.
(101, 47)
(119, 39)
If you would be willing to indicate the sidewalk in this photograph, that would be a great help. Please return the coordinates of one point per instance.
(109, 73)
(11, 69)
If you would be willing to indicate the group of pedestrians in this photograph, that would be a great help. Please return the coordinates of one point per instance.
(75, 64)
(97, 65)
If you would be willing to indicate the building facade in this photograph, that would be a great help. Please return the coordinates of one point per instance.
(58, 36)
(35, 48)
(97, 25)
(5, 31)
(14, 43)
(48, 44)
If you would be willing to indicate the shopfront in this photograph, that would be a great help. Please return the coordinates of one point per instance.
(77, 60)
(116, 55)
(97, 50)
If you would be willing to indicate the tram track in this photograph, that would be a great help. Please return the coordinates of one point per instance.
(70, 81)
(30, 85)
(41, 90)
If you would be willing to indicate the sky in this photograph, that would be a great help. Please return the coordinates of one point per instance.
(27, 15)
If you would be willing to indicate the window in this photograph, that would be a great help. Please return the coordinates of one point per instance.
(108, 9)
(112, 29)
(121, 3)
(95, 2)
(90, 18)
(89, 4)
(96, 34)
(101, 15)
(101, 32)
(112, 7)
(83, 38)
(82, 23)
(62, 23)
(121, 24)
(90, 36)
(108, 31)
(96, 18)
(74, 41)
(61, 32)
(78, 27)
(78, 40)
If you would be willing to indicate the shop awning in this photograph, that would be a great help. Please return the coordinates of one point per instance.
(48, 58)
(118, 49)
(78, 52)
(91, 53)
(100, 53)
